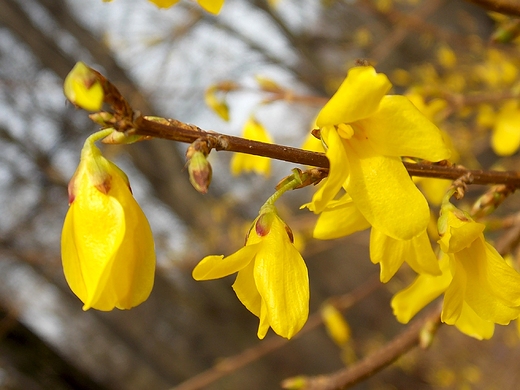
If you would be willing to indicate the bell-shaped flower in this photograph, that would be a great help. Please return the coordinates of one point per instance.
(241, 162)
(481, 277)
(107, 245)
(366, 134)
(272, 281)
(426, 288)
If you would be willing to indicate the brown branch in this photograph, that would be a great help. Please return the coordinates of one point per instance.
(181, 132)
(404, 342)
(508, 7)
(232, 364)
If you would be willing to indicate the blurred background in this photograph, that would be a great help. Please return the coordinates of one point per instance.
(163, 61)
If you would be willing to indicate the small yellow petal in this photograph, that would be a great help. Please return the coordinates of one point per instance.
(212, 6)
(340, 218)
(214, 267)
(246, 290)
(357, 97)
(398, 128)
(164, 3)
(472, 325)
(338, 171)
(408, 302)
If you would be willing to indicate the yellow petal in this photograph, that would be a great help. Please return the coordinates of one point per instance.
(386, 251)
(398, 128)
(132, 274)
(454, 295)
(340, 218)
(263, 327)
(384, 193)
(214, 267)
(338, 171)
(164, 3)
(408, 302)
(246, 290)
(357, 97)
(92, 235)
(391, 253)
(460, 233)
(472, 325)
(212, 6)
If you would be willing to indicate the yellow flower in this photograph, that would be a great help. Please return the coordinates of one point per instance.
(272, 281)
(506, 131)
(480, 288)
(366, 134)
(107, 245)
(212, 6)
(408, 302)
(83, 89)
(241, 162)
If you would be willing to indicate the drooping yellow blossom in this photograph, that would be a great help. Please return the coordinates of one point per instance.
(272, 281)
(83, 89)
(408, 302)
(505, 140)
(366, 134)
(241, 162)
(107, 245)
(480, 288)
(212, 6)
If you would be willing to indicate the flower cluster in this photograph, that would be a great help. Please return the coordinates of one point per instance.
(366, 133)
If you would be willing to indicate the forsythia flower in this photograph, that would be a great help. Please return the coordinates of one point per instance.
(480, 288)
(247, 162)
(107, 245)
(272, 281)
(366, 134)
(212, 6)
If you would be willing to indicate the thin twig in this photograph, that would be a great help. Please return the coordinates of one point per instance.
(234, 363)
(181, 132)
(404, 342)
(508, 7)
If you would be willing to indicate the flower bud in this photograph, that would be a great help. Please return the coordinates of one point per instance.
(83, 88)
(200, 171)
